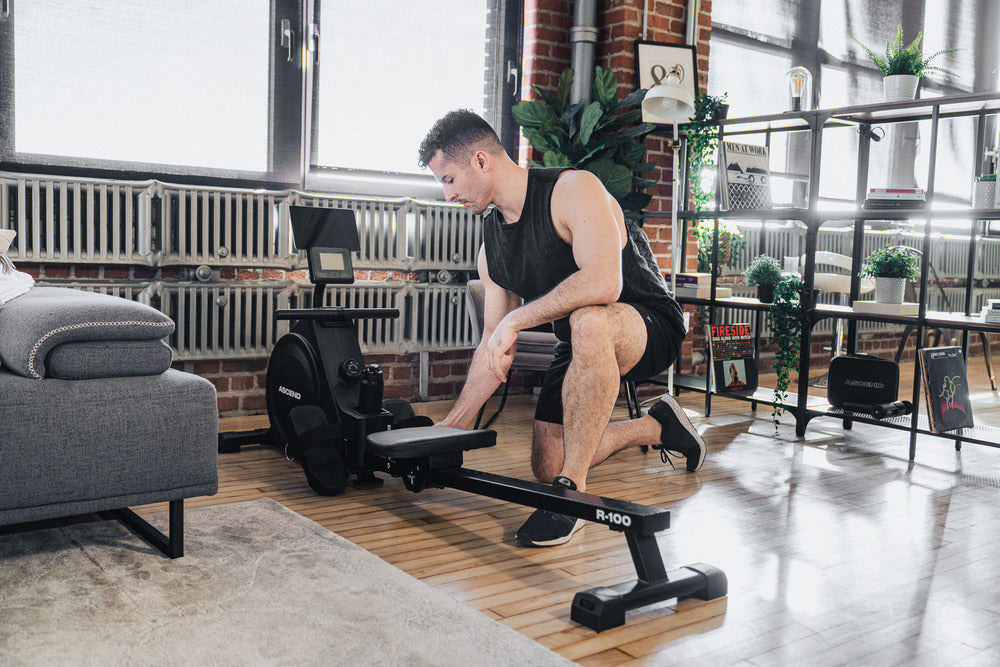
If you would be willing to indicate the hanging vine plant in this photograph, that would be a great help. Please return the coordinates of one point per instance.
(784, 318)
(702, 134)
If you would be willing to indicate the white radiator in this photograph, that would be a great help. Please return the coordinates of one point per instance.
(244, 228)
(78, 221)
(83, 221)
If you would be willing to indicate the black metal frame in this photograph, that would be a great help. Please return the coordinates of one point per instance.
(171, 544)
(598, 608)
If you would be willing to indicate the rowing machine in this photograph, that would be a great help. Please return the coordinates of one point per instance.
(313, 396)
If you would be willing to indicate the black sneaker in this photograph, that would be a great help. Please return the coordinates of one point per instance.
(548, 529)
(679, 436)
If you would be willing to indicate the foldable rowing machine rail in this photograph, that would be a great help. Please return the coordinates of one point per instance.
(432, 456)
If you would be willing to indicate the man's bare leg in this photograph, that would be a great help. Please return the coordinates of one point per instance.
(607, 342)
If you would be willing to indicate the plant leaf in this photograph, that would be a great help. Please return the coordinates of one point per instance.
(563, 90)
(591, 114)
(546, 95)
(630, 152)
(616, 178)
(540, 140)
(569, 118)
(605, 88)
(635, 201)
(642, 183)
(532, 113)
(554, 159)
(633, 98)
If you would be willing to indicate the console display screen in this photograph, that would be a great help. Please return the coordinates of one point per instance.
(331, 261)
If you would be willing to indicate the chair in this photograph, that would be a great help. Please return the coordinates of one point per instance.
(535, 348)
(838, 283)
(935, 336)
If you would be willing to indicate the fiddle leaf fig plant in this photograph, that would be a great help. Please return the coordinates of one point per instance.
(604, 136)
(784, 318)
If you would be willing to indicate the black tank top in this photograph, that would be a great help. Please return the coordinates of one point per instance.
(529, 259)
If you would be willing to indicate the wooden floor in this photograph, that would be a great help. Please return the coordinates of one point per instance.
(837, 548)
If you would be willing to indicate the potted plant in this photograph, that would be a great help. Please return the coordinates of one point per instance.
(731, 242)
(903, 66)
(764, 272)
(784, 318)
(603, 136)
(702, 134)
(891, 267)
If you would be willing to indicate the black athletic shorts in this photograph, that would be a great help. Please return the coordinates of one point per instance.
(663, 346)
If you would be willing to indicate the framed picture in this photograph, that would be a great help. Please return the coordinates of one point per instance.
(654, 60)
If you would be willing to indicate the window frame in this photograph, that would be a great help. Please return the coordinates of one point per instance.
(506, 27)
(289, 134)
(284, 114)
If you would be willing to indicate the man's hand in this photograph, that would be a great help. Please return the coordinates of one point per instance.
(500, 350)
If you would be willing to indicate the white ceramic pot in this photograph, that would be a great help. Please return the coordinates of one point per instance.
(984, 194)
(900, 87)
(889, 290)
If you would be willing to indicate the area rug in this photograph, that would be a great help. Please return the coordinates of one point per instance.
(259, 584)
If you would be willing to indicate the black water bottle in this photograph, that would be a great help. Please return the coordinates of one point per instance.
(370, 391)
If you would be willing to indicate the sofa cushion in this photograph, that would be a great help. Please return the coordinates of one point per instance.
(32, 325)
(100, 359)
(70, 447)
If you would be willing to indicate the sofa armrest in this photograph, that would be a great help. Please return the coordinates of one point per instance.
(35, 324)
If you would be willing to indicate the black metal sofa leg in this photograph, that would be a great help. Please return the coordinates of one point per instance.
(172, 545)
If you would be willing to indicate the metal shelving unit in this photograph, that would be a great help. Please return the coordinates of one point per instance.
(816, 122)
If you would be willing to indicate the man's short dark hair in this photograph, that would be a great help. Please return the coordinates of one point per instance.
(456, 134)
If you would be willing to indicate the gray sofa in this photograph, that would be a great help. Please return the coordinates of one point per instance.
(92, 417)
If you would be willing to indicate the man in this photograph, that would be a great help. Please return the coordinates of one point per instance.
(734, 377)
(557, 249)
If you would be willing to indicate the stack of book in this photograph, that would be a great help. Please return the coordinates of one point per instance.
(905, 308)
(891, 199)
(698, 286)
(991, 312)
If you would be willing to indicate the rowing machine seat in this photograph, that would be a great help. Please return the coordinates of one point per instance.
(412, 443)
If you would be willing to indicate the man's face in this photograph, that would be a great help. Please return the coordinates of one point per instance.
(462, 182)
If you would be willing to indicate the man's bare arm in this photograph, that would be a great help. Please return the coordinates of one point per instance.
(588, 218)
(482, 379)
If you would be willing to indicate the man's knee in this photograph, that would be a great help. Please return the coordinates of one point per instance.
(590, 326)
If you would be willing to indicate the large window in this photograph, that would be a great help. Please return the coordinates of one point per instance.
(223, 89)
(182, 85)
(401, 75)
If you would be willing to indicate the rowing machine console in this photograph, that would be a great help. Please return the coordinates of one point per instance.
(313, 403)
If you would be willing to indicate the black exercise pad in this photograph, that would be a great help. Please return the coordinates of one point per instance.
(411, 443)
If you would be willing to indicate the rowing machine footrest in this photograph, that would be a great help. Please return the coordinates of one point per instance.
(422, 441)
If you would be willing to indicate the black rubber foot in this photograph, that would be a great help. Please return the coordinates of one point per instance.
(231, 441)
(604, 608)
(365, 480)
